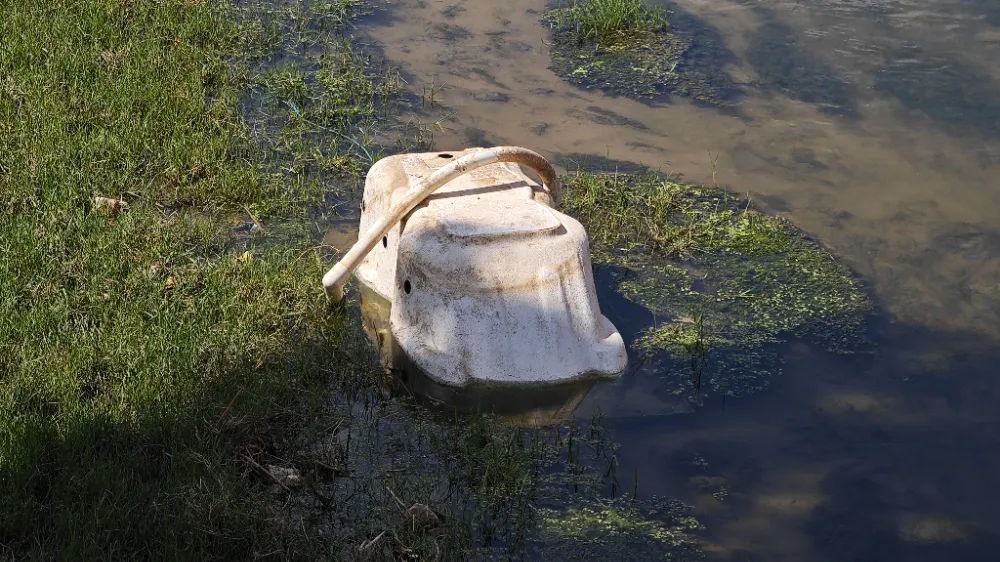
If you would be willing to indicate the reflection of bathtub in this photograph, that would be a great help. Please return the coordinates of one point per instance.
(533, 406)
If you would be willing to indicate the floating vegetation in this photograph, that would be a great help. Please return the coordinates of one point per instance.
(783, 65)
(622, 529)
(728, 281)
(627, 48)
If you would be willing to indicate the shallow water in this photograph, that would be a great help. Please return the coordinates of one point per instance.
(872, 125)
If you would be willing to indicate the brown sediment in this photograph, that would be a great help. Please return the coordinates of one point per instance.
(878, 188)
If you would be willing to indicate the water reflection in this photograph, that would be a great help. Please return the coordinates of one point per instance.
(892, 457)
(989, 10)
(860, 520)
(526, 407)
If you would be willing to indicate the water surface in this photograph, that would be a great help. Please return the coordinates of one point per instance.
(874, 126)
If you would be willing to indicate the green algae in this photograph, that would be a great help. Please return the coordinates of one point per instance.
(627, 48)
(623, 529)
(727, 282)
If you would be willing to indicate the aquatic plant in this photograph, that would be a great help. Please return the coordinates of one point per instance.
(324, 106)
(622, 529)
(629, 48)
(609, 21)
(729, 281)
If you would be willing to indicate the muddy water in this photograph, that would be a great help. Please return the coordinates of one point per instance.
(874, 125)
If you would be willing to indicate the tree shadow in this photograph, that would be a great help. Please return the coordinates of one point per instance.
(782, 65)
(941, 87)
(175, 478)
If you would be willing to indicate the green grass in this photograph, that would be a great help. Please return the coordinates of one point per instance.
(156, 358)
(728, 282)
(328, 114)
(141, 352)
(324, 107)
(608, 22)
(647, 214)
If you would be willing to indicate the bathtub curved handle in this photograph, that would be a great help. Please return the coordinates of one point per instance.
(335, 279)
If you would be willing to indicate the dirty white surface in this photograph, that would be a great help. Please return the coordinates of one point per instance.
(487, 283)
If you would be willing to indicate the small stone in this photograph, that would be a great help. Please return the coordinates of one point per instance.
(499, 97)
(423, 515)
(112, 204)
(287, 476)
(112, 58)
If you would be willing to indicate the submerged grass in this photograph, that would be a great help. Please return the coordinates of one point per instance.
(174, 387)
(325, 108)
(728, 281)
(627, 47)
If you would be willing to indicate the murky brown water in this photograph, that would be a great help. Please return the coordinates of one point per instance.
(887, 147)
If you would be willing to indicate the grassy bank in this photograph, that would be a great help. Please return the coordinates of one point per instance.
(173, 384)
(146, 347)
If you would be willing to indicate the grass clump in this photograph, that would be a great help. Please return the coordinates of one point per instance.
(610, 21)
(729, 282)
(628, 48)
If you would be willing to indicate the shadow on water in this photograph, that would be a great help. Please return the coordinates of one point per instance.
(842, 459)
(782, 65)
(708, 54)
(597, 163)
(639, 392)
(941, 87)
